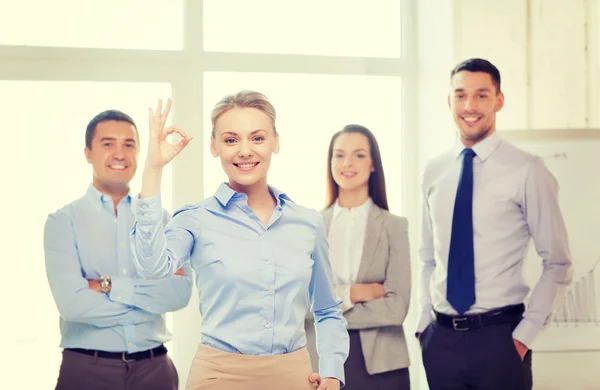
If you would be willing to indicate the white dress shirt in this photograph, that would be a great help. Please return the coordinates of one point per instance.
(515, 198)
(346, 239)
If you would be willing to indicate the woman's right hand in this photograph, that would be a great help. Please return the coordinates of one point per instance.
(161, 151)
(366, 292)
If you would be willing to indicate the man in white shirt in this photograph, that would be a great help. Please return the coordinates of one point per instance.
(483, 202)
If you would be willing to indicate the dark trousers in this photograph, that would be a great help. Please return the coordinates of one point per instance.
(357, 377)
(481, 359)
(78, 372)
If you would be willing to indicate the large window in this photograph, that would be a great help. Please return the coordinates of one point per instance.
(49, 170)
(310, 109)
(113, 24)
(355, 28)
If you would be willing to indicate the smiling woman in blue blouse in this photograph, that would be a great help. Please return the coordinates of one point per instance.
(255, 253)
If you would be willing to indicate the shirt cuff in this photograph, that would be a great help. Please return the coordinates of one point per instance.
(343, 292)
(330, 368)
(149, 210)
(121, 290)
(526, 331)
(424, 321)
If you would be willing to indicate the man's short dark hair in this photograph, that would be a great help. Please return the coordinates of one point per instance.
(479, 65)
(108, 115)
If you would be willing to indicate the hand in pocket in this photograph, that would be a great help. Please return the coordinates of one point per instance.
(521, 348)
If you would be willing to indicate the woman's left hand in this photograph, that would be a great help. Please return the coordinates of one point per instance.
(325, 383)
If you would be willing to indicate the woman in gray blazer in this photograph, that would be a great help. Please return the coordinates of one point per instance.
(369, 253)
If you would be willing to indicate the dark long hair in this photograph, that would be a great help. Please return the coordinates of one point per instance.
(376, 180)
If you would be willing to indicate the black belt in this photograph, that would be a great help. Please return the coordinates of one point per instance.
(126, 357)
(503, 315)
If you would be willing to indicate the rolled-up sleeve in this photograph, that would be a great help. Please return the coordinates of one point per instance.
(331, 334)
(158, 252)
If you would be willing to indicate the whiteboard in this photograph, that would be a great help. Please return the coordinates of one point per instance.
(575, 162)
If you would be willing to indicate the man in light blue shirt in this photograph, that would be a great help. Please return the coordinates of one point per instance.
(484, 201)
(111, 320)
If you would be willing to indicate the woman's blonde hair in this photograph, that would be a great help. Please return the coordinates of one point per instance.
(243, 99)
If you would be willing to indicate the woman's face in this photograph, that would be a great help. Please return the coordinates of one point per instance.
(351, 163)
(245, 141)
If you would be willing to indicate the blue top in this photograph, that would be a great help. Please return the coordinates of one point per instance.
(255, 281)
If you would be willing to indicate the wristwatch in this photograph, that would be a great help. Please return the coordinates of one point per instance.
(105, 283)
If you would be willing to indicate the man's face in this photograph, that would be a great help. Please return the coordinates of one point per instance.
(113, 154)
(474, 101)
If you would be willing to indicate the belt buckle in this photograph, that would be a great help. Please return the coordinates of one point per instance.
(457, 321)
(125, 359)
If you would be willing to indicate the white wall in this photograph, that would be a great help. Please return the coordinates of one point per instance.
(547, 52)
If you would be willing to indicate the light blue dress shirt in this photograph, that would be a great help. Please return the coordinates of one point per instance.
(515, 199)
(255, 282)
(85, 240)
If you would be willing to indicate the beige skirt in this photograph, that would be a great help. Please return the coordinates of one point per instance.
(214, 369)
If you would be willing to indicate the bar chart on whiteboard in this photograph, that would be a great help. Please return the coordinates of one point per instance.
(575, 323)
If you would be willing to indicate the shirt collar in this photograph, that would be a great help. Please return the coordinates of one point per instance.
(363, 209)
(483, 149)
(98, 198)
(225, 194)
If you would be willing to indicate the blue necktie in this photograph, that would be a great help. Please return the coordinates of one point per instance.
(461, 259)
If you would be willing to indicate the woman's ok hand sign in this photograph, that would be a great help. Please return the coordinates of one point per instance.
(161, 151)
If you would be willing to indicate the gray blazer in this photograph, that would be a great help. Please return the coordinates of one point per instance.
(385, 259)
